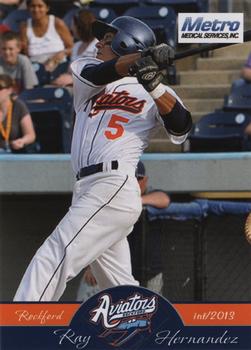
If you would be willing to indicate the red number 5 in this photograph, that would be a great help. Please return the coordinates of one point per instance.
(114, 123)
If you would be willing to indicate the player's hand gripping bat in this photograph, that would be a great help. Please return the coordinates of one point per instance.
(164, 55)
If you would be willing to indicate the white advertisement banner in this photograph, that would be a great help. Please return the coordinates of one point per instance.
(210, 28)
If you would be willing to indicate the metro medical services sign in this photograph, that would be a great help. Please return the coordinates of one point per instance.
(210, 28)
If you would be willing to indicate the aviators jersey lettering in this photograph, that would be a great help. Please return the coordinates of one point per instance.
(112, 121)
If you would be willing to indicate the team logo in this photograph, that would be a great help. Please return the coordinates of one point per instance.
(124, 319)
(132, 317)
(117, 100)
(149, 76)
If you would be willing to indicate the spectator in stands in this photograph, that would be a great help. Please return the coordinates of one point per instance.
(16, 128)
(22, 5)
(155, 198)
(246, 70)
(84, 47)
(248, 129)
(16, 65)
(4, 28)
(45, 38)
(158, 199)
(245, 78)
(82, 31)
(80, 3)
(245, 74)
(10, 2)
(6, 6)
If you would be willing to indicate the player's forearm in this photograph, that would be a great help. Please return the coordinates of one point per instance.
(125, 62)
(156, 199)
(165, 103)
(107, 72)
(176, 118)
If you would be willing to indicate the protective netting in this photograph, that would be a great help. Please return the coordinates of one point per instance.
(208, 260)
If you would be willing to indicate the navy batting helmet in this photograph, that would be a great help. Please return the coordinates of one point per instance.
(131, 34)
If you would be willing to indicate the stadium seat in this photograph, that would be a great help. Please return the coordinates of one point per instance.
(221, 131)
(45, 77)
(240, 86)
(60, 7)
(68, 17)
(119, 6)
(41, 73)
(182, 5)
(14, 19)
(62, 68)
(239, 97)
(51, 111)
(162, 20)
(104, 13)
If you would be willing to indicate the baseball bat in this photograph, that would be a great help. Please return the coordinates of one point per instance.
(209, 47)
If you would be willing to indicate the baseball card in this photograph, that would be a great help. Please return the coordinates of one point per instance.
(125, 187)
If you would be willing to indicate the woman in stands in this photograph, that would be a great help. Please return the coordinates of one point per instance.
(46, 39)
(82, 31)
(16, 128)
(86, 44)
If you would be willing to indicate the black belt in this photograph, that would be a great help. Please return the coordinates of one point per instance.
(95, 168)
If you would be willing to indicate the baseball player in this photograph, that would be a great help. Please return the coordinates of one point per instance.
(115, 113)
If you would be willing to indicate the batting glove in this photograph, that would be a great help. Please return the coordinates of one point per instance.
(147, 73)
(162, 54)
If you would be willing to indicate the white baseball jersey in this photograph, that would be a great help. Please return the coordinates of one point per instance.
(112, 121)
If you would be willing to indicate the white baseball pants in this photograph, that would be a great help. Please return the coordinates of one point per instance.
(104, 208)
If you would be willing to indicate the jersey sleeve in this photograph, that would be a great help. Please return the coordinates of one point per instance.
(83, 90)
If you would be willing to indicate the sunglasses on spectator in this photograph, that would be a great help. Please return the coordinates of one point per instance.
(140, 177)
